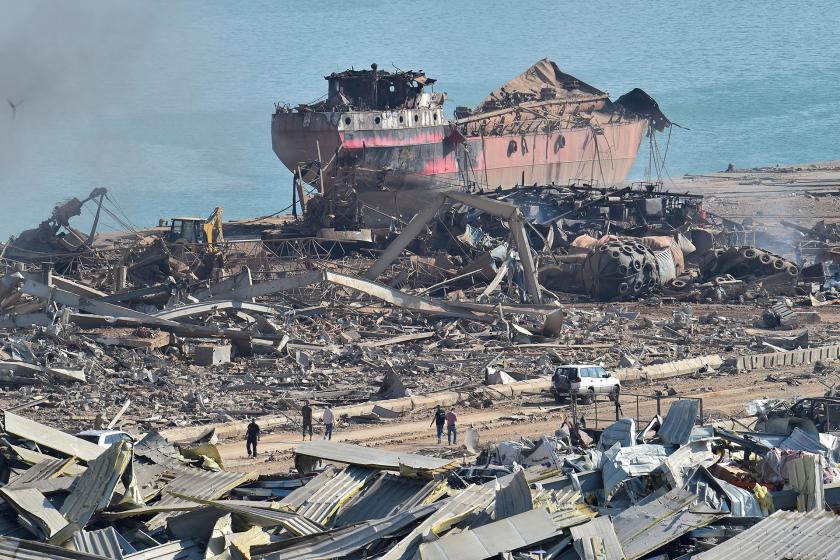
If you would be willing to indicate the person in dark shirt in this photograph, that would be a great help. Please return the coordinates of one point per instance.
(439, 420)
(252, 436)
(306, 413)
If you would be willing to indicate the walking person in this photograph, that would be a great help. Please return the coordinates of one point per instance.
(451, 430)
(439, 419)
(252, 436)
(329, 420)
(306, 414)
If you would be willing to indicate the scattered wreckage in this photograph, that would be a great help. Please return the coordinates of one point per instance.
(676, 487)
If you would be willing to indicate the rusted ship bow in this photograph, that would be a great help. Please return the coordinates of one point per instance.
(379, 144)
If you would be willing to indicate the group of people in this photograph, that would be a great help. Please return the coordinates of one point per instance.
(448, 419)
(253, 432)
(440, 419)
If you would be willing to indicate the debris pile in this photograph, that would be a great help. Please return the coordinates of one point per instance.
(675, 487)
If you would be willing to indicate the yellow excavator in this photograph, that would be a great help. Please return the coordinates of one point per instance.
(197, 230)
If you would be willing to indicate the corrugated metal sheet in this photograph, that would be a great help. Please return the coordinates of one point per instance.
(512, 498)
(265, 517)
(92, 490)
(597, 540)
(43, 470)
(37, 510)
(156, 449)
(643, 528)
(389, 494)
(785, 535)
(800, 440)
(343, 542)
(50, 438)
(685, 460)
(299, 496)
(470, 499)
(494, 538)
(104, 542)
(620, 463)
(622, 431)
(207, 485)
(742, 503)
(18, 549)
(370, 457)
(511, 491)
(566, 507)
(323, 504)
(677, 426)
(188, 549)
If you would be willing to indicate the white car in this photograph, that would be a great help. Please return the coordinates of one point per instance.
(587, 380)
(105, 438)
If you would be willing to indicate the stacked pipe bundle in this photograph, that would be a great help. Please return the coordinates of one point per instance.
(620, 268)
(746, 261)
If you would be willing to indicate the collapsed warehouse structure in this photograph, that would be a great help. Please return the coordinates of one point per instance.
(476, 299)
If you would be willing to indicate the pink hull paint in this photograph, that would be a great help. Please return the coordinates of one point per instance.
(397, 170)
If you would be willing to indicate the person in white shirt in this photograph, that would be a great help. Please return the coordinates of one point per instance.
(329, 420)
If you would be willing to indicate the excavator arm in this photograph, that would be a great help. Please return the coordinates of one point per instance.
(213, 228)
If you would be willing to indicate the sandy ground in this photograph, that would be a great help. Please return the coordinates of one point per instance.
(723, 397)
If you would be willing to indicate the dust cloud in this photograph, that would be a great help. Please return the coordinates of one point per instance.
(69, 67)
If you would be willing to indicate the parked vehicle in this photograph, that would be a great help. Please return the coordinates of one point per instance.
(105, 438)
(586, 380)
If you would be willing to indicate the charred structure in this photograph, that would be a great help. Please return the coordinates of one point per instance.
(379, 144)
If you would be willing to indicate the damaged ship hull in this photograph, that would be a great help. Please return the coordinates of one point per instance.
(394, 159)
(396, 170)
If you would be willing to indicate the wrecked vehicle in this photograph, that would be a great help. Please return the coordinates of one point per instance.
(813, 414)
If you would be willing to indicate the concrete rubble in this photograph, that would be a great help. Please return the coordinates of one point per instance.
(476, 301)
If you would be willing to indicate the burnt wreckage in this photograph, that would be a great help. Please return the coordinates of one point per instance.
(380, 144)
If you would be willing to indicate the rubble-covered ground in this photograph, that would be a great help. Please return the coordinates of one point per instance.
(708, 312)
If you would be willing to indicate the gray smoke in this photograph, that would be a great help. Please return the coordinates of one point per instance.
(72, 66)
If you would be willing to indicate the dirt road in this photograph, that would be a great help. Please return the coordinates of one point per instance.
(723, 396)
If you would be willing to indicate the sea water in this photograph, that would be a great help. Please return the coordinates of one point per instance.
(168, 104)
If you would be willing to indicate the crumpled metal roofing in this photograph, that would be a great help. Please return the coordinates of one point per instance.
(489, 540)
(800, 440)
(104, 542)
(43, 470)
(621, 463)
(264, 517)
(597, 540)
(785, 535)
(207, 485)
(188, 549)
(512, 498)
(622, 431)
(322, 505)
(642, 529)
(39, 513)
(716, 493)
(50, 438)
(20, 549)
(343, 542)
(157, 449)
(93, 489)
(369, 457)
(681, 463)
(388, 495)
(680, 420)
(456, 508)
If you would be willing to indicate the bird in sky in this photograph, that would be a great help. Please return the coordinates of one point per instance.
(14, 106)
